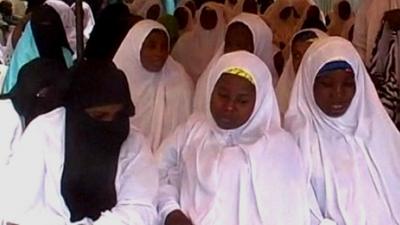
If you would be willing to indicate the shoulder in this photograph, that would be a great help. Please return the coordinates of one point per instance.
(135, 144)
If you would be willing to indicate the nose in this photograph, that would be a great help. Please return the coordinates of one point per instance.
(229, 106)
(338, 91)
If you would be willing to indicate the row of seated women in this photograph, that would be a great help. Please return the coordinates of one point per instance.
(70, 154)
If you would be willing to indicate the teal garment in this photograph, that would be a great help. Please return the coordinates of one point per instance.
(26, 51)
(169, 6)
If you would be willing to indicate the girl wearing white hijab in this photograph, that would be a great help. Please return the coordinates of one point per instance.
(160, 89)
(261, 45)
(341, 19)
(347, 139)
(233, 164)
(88, 20)
(367, 26)
(195, 49)
(143, 8)
(67, 18)
(303, 38)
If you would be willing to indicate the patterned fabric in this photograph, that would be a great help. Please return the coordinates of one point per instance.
(385, 71)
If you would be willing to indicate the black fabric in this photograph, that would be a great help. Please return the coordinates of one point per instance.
(41, 86)
(110, 29)
(92, 146)
(49, 33)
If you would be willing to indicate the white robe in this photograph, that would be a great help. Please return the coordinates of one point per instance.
(249, 175)
(353, 160)
(11, 130)
(285, 83)
(32, 189)
(195, 49)
(162, 99)
(263, 48)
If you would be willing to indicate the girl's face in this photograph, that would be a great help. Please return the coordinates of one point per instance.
(232, 101)
(153, 13)
(154, 51)
(334, 91)
(299, 48)
(238, 37)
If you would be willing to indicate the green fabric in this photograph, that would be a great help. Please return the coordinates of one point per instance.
(172, 27)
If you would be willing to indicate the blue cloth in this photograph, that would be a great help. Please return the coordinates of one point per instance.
(26, 51)
(335, 65)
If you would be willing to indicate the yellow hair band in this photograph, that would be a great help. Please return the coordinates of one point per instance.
(241, 73)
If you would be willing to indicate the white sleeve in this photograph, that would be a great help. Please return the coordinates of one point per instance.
(168, 157)
(24, 178)
(136, 186)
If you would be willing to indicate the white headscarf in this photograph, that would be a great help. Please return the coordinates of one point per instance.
(195, 49)
(190, 22)
(162, 99)
(285, 83)
(354, 160)
(268, 169)
(338, 26)
(367, 26)
(67, 17)
(88, 20)
(140, 7)
(263, 48)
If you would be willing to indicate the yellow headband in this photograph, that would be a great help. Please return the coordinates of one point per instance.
(241, 73)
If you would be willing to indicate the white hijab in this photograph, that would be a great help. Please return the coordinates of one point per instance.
(190, 22)
(67, 17)
(338, 26)
(354, 160)
(162, 99)
(195, 49)
(272, 177)
(140, 7)
(367, 27)
(88, 20)
(263, 48)
(285, 83)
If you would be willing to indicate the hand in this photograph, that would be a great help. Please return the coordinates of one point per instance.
(392, 17)
(177, 217)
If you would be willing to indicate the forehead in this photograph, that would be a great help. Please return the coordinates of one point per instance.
(230, 80)
(238, 26)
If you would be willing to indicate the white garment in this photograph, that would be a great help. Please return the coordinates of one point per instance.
(263, 48)
(195, 49)
(354, 160)
(11, 129)
(162, 99)
(249, 175)
(33, 188)
(67, 17)
(190, 21)
(141, 7)
(367, 25)
(285, 83)
(338, 26)
(3, 71)
(88, 20)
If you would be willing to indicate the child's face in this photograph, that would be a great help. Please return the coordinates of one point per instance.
(334, 91)
(154, 51)
(238, 37)
(154, 12)
(232, 101)
(299, 48)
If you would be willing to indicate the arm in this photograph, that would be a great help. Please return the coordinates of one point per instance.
(136, 186)
(170, 173)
